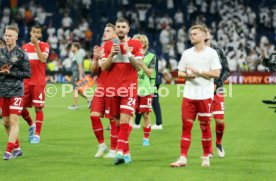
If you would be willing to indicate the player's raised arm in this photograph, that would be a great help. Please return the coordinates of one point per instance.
(41, 50)
(97, 55)
(135, 62)
(148, 70)
(107, 61)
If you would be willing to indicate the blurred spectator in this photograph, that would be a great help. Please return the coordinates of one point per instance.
(88, 38)
(178, 19)
(53, 41)
(66, 21)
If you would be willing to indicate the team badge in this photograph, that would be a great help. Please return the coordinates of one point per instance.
(14, 59)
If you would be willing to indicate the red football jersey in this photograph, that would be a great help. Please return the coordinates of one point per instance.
(122, 76)
(38, 69)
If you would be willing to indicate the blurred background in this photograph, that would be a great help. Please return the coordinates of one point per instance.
(245, 29)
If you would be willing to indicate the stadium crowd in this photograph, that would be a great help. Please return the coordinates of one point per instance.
(245, 29)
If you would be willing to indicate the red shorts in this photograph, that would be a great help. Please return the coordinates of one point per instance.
(34, 95)
(218, 106)
(98, 104)
(117, 105)
(144, 104)
(192, 108)
(13, 105)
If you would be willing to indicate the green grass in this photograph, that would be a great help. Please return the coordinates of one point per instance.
(67, 147)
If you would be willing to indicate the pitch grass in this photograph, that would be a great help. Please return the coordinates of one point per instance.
(67, 147)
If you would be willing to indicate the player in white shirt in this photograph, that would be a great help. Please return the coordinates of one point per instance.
(199, 65)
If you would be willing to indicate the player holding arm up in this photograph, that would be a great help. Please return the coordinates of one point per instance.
(98, 105)
(34, 87)
(120, 59)
(145, 88)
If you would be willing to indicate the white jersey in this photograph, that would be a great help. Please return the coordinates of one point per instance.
(199, 88)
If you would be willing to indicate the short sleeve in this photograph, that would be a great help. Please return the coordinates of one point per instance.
(215, 61)
(45, 48)
(106, 49)
(183, 63)
(79, 58)
(138, 51)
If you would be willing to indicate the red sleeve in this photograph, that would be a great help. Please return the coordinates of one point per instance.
(24, 47)
(138, 51)
(106, 49)
(44, 47)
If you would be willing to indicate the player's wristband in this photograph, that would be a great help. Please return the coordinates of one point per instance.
(129, 54)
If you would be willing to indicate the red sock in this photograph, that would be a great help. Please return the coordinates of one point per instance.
(17, 146)
(211, 146)
(123, 137)
(113, 135)
(219, 132)
(97, 128)
(147, 132)
(10, 147)
(206, 138)
(38, 122)
(126, 151)
(129, 129)
(26, 116)
(186, 137)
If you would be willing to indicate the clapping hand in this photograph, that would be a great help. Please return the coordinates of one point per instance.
(5, 69)
(193, 70)
(97, 53)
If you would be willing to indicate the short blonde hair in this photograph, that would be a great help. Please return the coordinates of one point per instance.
(202, 28)
(144, 39)
(14, 28)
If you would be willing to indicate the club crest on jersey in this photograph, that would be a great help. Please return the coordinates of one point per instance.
(14, 59)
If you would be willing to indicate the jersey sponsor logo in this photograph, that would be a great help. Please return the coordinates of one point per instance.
(33, 56)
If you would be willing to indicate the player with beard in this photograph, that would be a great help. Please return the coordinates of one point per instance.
(120, 60)
(34, 94)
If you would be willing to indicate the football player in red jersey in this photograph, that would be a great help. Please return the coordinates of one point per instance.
(120, 59)
(34, 94)
(98, 105)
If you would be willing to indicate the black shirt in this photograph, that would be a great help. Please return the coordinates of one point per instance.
(225, 71)
(11, 85)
